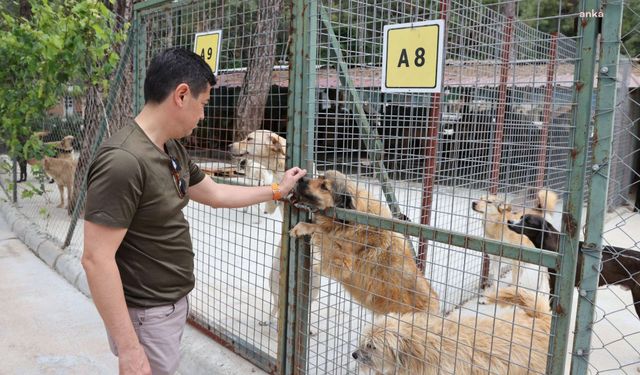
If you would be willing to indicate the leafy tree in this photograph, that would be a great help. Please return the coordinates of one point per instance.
(64, 43)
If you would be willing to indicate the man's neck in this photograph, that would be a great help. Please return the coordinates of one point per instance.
(153, 121)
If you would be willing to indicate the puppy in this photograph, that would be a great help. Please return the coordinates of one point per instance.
(62, 171)
(619, 266)
(374, 265)
(496, 214)
(513, 342)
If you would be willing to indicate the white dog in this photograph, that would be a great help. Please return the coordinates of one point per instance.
(263, 155)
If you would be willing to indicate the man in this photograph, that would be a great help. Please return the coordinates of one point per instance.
(137, 249)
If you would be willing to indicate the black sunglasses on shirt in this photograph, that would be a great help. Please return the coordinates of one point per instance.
(181, 184)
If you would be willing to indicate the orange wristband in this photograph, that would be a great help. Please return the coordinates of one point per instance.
(277, 195)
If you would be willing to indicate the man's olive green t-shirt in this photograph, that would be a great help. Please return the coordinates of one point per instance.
(131, 185)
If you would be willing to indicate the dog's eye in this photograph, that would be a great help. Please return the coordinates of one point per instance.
(249, 139)
(370, 346)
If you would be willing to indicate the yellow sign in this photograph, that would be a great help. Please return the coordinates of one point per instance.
(413, 59)
(207, 45)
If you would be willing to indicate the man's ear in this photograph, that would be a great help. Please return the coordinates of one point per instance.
(180, 92)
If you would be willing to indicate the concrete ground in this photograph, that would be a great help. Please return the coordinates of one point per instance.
(49, 327)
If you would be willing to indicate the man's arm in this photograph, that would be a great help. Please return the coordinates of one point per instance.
(100, 246)
(233, 196)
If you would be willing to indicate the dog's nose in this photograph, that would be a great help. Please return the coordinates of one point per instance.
(355, 355)
(511, 222)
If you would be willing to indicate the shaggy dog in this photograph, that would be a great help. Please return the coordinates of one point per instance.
(619, 266)
(374, 265)
(62, 171)
(496, 214)
(513, 342)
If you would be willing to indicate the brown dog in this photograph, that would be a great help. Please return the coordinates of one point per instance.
(62, 171)
(374, 265)
(513, 342)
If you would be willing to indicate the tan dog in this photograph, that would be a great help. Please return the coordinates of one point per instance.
(374, 265)
(62, 171)
(513, 342)
(64, 147)
(496, 214)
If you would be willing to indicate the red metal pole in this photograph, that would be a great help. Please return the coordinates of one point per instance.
(431, 154)
(502, 103)
(548, 103)
(497, 145)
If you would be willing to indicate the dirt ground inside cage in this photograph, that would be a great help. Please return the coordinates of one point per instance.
(235, 251)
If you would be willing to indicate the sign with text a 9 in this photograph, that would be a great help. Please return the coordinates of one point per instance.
(413, 57)
(207, 45)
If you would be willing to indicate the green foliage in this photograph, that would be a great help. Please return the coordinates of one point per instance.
(631, 28)
(65, 43)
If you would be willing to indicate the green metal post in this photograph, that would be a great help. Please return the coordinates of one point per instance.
(598, 181)
(295, 258)
(588, 29)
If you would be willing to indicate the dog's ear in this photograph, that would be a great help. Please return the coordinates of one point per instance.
(409, 355)
(344, 200)
(276, 146)
(342, 196)
(504, 207)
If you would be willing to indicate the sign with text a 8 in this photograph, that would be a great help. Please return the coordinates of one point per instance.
(413, 57)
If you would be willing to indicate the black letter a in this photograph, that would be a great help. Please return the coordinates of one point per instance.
(404, 59)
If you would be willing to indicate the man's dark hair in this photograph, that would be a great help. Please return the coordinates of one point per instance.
(172, 67)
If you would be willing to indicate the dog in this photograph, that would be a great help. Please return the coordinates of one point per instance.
(64, 148)
(262, 155)
(374, 265)
(496, 215)
(618, 266)
(62, 171)
(513, 342)
(265, 148)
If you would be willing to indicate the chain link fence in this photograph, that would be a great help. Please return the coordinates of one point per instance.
(419, 168)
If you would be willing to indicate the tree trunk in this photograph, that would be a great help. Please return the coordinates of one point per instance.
(95, 106)
(257, 82)
(25, 9)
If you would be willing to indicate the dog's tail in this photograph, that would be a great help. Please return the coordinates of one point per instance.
(536, 305)
(546, 200)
